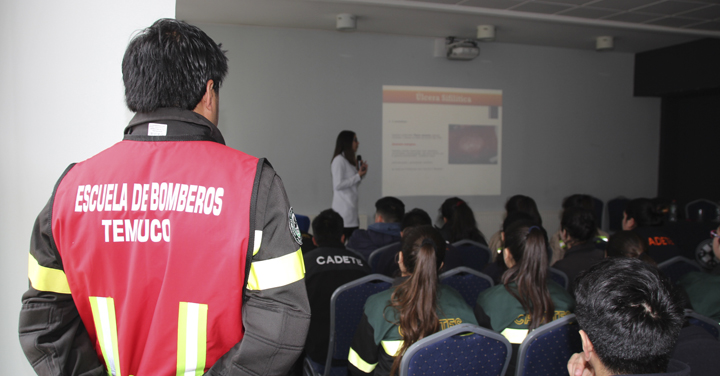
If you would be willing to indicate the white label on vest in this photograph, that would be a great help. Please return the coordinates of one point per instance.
(155, 129)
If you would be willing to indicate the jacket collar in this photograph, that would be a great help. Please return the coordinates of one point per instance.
(182, 125)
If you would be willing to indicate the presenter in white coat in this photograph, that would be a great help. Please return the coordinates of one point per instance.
(347, 172)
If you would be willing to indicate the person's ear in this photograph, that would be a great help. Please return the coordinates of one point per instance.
(342, 239)
(502, 236)
(588, 348)
(315, 241)
(507, 256)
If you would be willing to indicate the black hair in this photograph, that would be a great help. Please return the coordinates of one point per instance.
(415, 217)
(579, 223)
(523, 204)
(644, 212)
(343, 146)
(628, 244)
(630, 313)
(328, 228)
(460, 220)
(391, 209)
(169, 64)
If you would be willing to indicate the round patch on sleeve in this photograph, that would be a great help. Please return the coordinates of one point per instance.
(294, 229)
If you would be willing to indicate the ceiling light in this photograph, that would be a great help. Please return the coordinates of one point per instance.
(604, 43)
(346, 21)
(486, 32)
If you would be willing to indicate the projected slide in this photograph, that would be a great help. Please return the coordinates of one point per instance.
(441, 141)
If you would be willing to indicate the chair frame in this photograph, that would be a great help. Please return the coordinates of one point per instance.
(476, 244)
(689, 313)
(520, 368)
(561, 274)
(449, 332)
(374, 254)
(333, 300)
(675, 259)
(687, 212)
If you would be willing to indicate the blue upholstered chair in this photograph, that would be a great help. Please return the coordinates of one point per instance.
(346, 310)
(468, 282)
(463, 349)
(375, 256)
(473, 254)
(704, 322)
(547, 349)
(709, 210)
(559, 277)
(616, 207)
(303, 222)
(677, 267)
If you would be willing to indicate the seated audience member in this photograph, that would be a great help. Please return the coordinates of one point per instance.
(628, 244)
(387, 263)
(642, 216)
(699, 349)
(416, 303)
(630, 320)
(582, 201)
(497, 268)
(578, 233)
(527, 298)
(703, 289)
(459, 222)
(515, 204)
(327, 267)
(386, 229)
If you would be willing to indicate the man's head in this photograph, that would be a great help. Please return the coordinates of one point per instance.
(389, 209)
(629, 317)
(171, 64)
(328, 229)
(414, 218)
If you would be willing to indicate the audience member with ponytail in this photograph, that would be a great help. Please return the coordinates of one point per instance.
(578, 232)
(643, 217)
(414, 308)
(459, 222)
(527, 298)
(515, 204)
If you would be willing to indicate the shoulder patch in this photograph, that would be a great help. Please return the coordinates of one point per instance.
(294, 229)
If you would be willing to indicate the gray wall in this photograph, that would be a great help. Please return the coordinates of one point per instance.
(570, 122)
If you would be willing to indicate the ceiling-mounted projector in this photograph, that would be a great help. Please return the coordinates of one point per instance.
(461, 48)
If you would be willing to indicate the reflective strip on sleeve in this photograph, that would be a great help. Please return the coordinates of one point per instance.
(515, 335)
(47, 279)
(392, 347)
(277, 272)
(257, 242)
(103, 311)
(192, 339)
(359, 363)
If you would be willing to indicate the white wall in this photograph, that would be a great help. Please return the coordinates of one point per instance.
(571, 124)
(61, 101)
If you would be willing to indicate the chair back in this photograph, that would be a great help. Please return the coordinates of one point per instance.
(463, 349)
(473, 254)
(709, 210)
(303, 222)
(676, 267)
(374, 257)
(616, 207)
(468, 282)
(704, 322)
(559, 277)
(547, 349)
(346, 310)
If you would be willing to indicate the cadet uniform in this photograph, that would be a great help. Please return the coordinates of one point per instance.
(377, 339)
(165, 254)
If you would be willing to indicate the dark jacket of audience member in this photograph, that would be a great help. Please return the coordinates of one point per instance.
(386, 229)
(326, 268)
(579, 230)
(387, 263)
(642, 216)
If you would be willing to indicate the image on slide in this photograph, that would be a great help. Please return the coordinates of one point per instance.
(472, 144)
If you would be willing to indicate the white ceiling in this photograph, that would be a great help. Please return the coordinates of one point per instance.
(636, 25)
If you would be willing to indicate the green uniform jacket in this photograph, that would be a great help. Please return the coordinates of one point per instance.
(704, 292)
(378, 338)
(507, 315)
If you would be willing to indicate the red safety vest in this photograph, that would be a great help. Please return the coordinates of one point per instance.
(154, 238)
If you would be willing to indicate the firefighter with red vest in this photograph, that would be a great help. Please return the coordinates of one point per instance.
(168, 253)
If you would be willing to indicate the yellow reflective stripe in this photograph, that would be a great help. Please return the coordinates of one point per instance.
(257, 242)
(276, 272)
(47, 279)
(192, 339)
(515, 335)
(359, 363)
(392, 347)
(103, 311)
